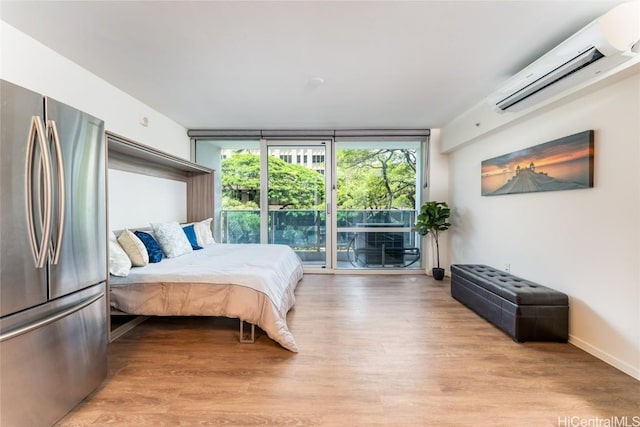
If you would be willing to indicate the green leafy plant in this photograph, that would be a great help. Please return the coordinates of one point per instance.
(433, 219)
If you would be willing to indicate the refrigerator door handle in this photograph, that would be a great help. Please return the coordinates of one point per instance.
(52, 135)
(54, 318)
(38, 249)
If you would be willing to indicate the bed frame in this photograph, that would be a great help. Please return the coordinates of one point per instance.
(244, 337)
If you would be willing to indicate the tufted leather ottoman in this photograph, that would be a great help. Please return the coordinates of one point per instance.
(523, 309)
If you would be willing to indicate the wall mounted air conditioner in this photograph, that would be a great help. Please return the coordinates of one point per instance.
(599, 47)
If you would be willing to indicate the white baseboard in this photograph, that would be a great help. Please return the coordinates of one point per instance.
(606, 357)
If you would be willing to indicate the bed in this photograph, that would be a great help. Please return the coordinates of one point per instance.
(254, 283)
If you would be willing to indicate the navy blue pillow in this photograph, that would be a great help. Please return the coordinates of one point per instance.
(191, 235)
(153, 247)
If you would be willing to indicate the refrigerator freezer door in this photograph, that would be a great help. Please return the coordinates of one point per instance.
(51, 357)
(22, 285)
(83, 258)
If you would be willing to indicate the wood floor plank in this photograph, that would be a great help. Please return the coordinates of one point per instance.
(374, 351)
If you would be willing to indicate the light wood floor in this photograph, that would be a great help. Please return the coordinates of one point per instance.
(374, 351)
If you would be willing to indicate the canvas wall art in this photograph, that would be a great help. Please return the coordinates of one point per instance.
(562, 164)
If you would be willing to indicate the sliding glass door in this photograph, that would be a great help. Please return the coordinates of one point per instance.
(296, 198)
(376, 200)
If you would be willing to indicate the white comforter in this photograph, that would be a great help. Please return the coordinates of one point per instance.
(254, 283)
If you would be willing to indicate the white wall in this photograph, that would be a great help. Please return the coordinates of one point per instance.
(150, 207)
(28, 63)
(585, 243)
(437, 190)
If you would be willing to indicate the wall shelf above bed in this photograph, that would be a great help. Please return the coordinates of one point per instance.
(131, 156)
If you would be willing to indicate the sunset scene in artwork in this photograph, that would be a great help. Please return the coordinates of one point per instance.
(563, 164)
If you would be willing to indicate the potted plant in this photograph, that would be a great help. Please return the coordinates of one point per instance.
(432, 219)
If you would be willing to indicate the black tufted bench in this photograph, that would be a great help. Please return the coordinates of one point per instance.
(525, 310)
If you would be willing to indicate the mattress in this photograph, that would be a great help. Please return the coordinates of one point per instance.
(251, 282)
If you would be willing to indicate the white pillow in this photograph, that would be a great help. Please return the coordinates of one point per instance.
(119, 262)
(203, 232)
(134, 248)
(172, 239)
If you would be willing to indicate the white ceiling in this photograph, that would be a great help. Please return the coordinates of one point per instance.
(248, 64)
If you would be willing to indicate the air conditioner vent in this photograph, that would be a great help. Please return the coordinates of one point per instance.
(563, 71)
(601, 46)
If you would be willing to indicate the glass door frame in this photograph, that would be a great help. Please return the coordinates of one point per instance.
(331, 145)
(422, 173)
(325, 143)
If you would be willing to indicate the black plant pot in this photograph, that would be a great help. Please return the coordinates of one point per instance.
(438, 273)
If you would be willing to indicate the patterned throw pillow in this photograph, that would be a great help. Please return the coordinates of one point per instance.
(153, 248)
(172, 239)
(119, 262)
(134, 248)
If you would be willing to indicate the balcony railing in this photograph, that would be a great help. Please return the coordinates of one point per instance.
(365, 238)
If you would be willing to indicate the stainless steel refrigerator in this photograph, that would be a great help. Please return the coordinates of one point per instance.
(53, 262)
